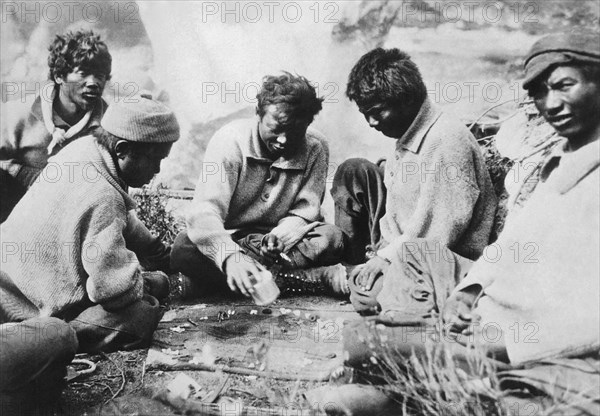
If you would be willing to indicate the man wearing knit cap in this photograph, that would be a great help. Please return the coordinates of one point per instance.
(76, 263)
(538, 312)
(35, 127)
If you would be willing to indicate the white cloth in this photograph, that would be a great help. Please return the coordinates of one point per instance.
(60, 136)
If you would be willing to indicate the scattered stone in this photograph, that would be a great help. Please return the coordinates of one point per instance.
(177, 329)
(183, 386)
(169, 316)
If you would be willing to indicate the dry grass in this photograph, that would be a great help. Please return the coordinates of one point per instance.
(435, 385)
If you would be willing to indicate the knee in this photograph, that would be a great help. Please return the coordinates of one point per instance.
(61, 334)
(334, 236)
(351, 168)
(33, 346)
(352, 177)
(57, 339)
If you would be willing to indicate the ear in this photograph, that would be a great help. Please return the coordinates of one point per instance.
(59, 80)
(122, 149)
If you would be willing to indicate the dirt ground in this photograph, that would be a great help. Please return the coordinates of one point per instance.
(125, 382)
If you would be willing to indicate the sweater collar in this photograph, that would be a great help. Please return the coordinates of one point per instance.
(97, 113)
(256, 151)
(564, 169)
(413, 138)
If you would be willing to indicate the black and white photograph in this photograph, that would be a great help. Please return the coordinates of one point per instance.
(310, 207)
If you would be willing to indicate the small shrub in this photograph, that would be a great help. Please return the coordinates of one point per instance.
(152, 211)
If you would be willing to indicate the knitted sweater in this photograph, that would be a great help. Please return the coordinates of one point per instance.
(438, 187)
(24, 138)
(240, 187)
(65, 246)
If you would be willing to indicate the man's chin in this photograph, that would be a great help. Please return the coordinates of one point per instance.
(277, 153)
(88, 105)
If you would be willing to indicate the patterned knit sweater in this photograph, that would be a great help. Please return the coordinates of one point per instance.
(64, 247)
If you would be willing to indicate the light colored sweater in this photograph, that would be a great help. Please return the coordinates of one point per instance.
(24, 138)
(64, 247)
(541, 278)
(438, 187)
(240, 187)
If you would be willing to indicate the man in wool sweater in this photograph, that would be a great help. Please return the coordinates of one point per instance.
(35, 127)
(259, 194)
(70, 279)
(531, 304)
(435, 184)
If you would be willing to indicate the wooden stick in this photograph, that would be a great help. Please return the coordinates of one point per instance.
(323, 376)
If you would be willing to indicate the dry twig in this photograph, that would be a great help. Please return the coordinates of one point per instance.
(122, 376)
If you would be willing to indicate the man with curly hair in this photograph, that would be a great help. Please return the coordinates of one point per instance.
(259, 194)
(435, 185)
(33, 129)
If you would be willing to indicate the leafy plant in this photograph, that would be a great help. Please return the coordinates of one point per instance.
(152, 211)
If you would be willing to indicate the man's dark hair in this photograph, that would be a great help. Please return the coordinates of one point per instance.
(81, 49)
(294, 92)
(386, 76)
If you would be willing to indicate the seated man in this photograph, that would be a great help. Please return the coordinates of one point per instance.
(76, 259)
(435, 186)
(260, 195)
(37, 127)
(536, 305)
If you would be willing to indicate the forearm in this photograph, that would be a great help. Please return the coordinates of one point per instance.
(113, 276)
(291, 230)
(207, 232)
(151, 252)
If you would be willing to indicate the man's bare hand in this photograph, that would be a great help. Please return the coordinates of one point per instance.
(242, 272)
(365, 275)
(458, 310)
(271, 248)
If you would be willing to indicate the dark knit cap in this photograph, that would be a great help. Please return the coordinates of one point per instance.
(141, 119)
(561, 49)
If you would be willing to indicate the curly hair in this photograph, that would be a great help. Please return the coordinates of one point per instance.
(81, 49)
(388, 76)
(294, 92)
